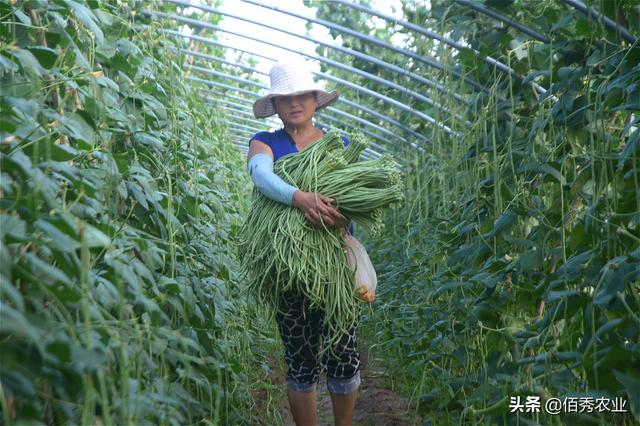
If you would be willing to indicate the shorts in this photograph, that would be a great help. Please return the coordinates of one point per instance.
(302, 334)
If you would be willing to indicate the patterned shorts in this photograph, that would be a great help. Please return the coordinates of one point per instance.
(302, 333)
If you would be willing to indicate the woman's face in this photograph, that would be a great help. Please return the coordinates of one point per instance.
(296, 110)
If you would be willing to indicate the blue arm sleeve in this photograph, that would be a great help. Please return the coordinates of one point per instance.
(268, 183)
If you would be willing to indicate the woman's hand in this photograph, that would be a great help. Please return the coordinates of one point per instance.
(318, 210)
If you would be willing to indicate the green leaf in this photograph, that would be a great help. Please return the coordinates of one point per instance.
(573, 265)
(17, 162)
(148, 140)
(449, 286)
(631, 147)
(486, 279)
(504, 222)
(87, 18)
(66, 293)
(28, 62)
(45, 271)
(78, 128)
(632, 385)
(84, 359)
(12, 225)
(95, 237)
(606, 327)
(8, 291)
(14, 323)
(530, 260)
(22, 17)
(17, 383)
(7, 65)
(59, 239)
(62, 152)
(557, 295)
(36, 4)
(46, 57)
(60, 350)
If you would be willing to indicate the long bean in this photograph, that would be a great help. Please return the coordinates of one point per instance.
(281, 252)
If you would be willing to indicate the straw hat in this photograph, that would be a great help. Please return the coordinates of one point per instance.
(291, 78)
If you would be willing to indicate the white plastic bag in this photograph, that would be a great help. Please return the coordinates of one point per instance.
(358, 260)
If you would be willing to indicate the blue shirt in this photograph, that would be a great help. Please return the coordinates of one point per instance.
(281, 144)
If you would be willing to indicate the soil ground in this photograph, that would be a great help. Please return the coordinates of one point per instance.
(377, 404)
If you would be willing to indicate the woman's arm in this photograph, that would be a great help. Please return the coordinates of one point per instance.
(312, 205)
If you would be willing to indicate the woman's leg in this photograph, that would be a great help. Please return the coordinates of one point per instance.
(303, 407)
(300, 331)
(343, 377)
(343, 408)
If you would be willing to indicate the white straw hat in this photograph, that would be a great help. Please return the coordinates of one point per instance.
(291, 78)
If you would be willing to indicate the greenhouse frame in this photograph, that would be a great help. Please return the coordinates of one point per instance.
(492, 172)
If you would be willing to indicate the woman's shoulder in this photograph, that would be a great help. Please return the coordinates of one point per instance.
(267, 137)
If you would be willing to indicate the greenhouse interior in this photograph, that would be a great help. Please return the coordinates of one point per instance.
(486, 153)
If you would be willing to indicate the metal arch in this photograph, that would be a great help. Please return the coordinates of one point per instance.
(379, 148)
(372, 112)
(245, 115)
(330, 118)
(243, 133)
(327, 117)
(364, 90)
(495, 15)
(245, 106)
(246, 112)
(244, 127)
(255, 130)
(349, 84)
(367, 154)
(595, 15)
(320, 59)
(239, 135)
(238, 98)
(441, 88)
(371, 125)
(212, 41)
(382, 129)
(344, 50)
(431, 34)
(367, 124)
(369, 76)
(245, 81)
(218, 59)
(222, 85)
(242, 119)
(246, 133)
(396, 86)
(374, 145)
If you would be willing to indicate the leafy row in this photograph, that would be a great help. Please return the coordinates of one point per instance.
(121, 197)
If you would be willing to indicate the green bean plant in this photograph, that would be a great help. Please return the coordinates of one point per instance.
(120, 203)
(520, 273)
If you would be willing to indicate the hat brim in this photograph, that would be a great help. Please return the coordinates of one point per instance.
(263, 107)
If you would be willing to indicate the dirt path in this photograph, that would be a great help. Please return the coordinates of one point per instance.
(377, 405)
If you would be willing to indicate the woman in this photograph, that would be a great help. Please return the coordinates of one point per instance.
(295, 97)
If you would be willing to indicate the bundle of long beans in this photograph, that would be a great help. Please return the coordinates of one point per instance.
(280, 251)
